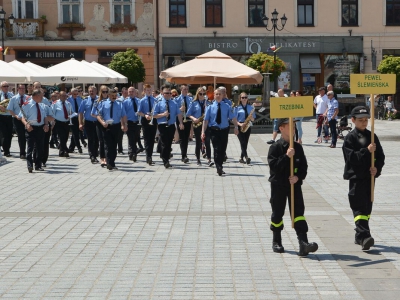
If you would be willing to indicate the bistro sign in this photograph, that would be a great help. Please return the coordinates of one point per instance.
(42, 55)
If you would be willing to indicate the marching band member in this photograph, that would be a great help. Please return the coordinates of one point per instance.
(149, 124)
(75, 101)
(207, 139)
(196, 112)
(103, 96)
(54, 139)
(112, 116)
(183, 102)
(87, 121)
(14, 107)
(229, 102)
(6, 122)
(166, 111)
(217, 119)
(131, 105)
(34, 115)
(124, 95)
(62, 110)
(242, 113)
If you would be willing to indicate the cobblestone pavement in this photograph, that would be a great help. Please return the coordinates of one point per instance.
(78, 231)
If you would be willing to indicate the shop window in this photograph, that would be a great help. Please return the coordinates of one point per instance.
(349, 12)
(213, 13)
(70, 11)
(256, 9)
(337, 70)
(25, 9)
(177, 13)
(393, 12)
(121, 12)
(305, 12)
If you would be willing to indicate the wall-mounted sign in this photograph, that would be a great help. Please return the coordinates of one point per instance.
(50, 54)
(111, 53)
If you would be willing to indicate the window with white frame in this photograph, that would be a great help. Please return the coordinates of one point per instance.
(70, 11)
(25, 9)
(121, 12)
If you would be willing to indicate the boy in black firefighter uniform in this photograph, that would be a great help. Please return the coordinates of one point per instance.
(279, 155)
(357, 149)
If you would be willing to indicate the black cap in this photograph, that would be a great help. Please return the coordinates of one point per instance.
(284, 121)
(360, 112)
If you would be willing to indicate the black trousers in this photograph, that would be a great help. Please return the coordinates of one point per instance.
(244, 141)
(332, 126)
(35, 139)
(93, 140)
(133, 133)
(227, 137)
(219, 139)
(46, 146)
(139, 143)
(361, 205)
(120, 139)
(99, 130)
(184, 137)
(75, 138)
(197, 135)
(20, 128)
(207, 142)
(110, 135)
(166, 136)
(62, 129)
(149, 134)
(279, 196)
(54, 138)
(6, 130)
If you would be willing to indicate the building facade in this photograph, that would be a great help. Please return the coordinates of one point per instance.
(322, 41)
(49, 32)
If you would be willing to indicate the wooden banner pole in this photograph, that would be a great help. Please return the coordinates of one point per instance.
(291, 133)
(372, 113)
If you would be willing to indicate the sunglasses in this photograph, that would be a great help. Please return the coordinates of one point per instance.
(5, 86)
(104, 92)
(201, 94)
(243, 97)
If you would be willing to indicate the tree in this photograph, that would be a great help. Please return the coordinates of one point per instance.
(390, 65)
(264, 63)
(129, 64)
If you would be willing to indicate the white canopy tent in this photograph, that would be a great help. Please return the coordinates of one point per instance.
(115, 77)
(34, 67)
(73, 72)
(11, 74)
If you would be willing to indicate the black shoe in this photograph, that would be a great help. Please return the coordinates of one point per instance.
(52, 146)
(22, 156)
(204, 155)
(80, 151)
(44, 165)
(367, 243)
(219, 172)
(198, 162)
(277, 242)
(30, 169)
(270, 142)
(121, 152)
(185, 160)
(93, 160)
(8, 155)
(241, 161)
(305, 248)
(103, 165)
(150, 162)
(84, 144)
(109, 167)
(223, 172)
(39, 169)
(171, 155)
(248, 160)
(134, 157)
(66, 155)
(210, 163)
(139, 150)
(167, 165)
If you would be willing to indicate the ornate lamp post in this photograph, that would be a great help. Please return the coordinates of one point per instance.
(2, 20)
(274, 28)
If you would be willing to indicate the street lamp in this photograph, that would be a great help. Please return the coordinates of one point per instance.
(2, 19)
(274, 28)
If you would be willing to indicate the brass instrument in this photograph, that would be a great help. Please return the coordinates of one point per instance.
(247, 123)
(198, 124)
(4, 103)
(152, 115)
(184, 110)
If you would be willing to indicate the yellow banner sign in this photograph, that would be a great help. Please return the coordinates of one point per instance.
(285, 107)
(372, 83)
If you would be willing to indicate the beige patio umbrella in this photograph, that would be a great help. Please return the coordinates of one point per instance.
(213, 66)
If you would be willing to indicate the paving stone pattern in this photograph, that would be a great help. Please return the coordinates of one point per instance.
(77, 231)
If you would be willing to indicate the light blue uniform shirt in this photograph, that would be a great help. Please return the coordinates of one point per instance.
(227, 101)
(58, 110)
(118, 111)
(78, 100)
(31, 113)
(130, 108)
(240, 112)
(15, 103)
(161, 107)
(226, 114)
(144, 104)
(86, 108)
(3, 96)
(195, 109)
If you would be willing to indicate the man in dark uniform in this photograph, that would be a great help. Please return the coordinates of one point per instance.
(183, 101)
(279, 155)
(357, 149)
(62, 110)
(75, 101)
(6, 122)
(131, 105)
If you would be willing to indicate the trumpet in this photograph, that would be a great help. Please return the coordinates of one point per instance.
(184, 110)
(4, 103)
(70, 114)
(152, 116)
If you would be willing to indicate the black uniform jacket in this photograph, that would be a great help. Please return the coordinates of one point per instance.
(279, 163)
(357, 158)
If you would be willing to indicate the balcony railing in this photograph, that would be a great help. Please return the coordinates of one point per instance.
(26, 28)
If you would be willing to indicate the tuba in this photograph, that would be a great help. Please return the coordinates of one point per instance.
(247, 123)
(4, 103)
